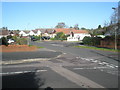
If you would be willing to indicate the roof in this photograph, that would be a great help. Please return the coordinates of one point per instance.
(26, 31)
(50, 31)
(4, 32)
(69, 30)
(46, 30)
(16, 32)
(42, 30)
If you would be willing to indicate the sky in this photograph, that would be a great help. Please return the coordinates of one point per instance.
(32, 15)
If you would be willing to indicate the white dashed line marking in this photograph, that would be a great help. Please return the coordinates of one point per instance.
(100, 62)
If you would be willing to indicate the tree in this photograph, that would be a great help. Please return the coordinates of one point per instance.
(5, 28)
(99, 27)
(60, 36)
(76, 27)
(60, 25)
(4, 41)
(112, 26)
(83, 28)
(114, 17)
(9, 37)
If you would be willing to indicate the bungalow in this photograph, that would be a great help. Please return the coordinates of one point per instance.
(78, 35)
(31, 33)
(75, 35)
(46, 32)
(24, 33)
(37, 32)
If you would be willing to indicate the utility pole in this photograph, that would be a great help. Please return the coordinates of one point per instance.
(115, 30)
(28, 35)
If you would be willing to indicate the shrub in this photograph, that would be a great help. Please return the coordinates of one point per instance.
(9, 37)
(92, 41)
(60, 36)
(52, 39)
(22, 41)
(4, 41)
(87, 40)
(37, 37)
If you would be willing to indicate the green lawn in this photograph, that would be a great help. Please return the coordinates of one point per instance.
(96, 48)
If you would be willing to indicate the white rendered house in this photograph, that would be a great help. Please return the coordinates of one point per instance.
(77, 36)
(22, 33)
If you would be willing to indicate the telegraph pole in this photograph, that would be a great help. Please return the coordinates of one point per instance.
(115, 31)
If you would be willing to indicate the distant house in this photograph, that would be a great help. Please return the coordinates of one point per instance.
(31, 33)
(78, 35)
(38, 32)
(24, 33)
(3, 32)
(74, 35)
(16, 32)
(46, 32)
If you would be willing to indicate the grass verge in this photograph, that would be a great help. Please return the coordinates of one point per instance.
(40, 47)
(36, 46)
(96, 48)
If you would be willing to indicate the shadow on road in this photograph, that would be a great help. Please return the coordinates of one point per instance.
(24, 80)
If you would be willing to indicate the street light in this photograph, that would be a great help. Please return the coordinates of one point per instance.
(115, 32)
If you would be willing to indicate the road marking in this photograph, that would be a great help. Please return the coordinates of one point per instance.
(100, 62)
(76, 78)
(19, 72)
(23, 61)
(57, 45)
(73, 77)
(64, 53)
(90, 68)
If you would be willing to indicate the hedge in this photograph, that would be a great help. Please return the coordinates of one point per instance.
(92, 41)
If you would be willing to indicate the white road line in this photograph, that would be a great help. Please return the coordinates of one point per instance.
(23, 61)
(90, 68)
(19, 72)
(57, 45)
(100, 62)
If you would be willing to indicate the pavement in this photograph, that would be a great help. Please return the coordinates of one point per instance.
(61, 69)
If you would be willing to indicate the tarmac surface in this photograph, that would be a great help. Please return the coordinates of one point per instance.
(63, 68)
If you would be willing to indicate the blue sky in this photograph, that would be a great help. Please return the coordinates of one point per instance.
(31, 15)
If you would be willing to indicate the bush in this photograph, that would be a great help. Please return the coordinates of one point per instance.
(92, 41)
(37, 37)
(22, 41)
(60, 36)
(4, 41)
(9, 37)
(52, 39)
(87, 40)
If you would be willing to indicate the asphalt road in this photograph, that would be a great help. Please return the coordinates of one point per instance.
(73, 68)
(29, 55)
(65, 47)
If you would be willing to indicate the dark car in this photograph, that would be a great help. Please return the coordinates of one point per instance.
(33, 39)
(45, 37)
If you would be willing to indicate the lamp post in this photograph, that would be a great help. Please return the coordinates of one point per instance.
(115, 32)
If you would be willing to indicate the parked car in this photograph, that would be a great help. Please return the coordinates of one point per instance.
(10, 41)
(33, 39)
(45, 37)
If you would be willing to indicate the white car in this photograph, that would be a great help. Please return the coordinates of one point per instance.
(11, 41)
